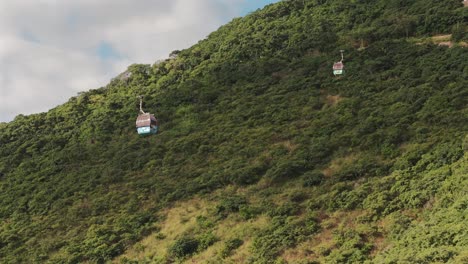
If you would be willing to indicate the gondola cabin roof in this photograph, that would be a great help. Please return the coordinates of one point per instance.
(338, 66)
(146, 120)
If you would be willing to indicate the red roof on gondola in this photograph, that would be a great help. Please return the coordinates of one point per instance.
(338, 66)
(145, 120)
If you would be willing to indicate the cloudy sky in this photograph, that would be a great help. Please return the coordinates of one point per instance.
(52, 49)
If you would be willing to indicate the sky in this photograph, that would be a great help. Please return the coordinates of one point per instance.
(52, 49)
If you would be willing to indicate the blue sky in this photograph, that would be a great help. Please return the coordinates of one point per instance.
(252, 5)
(66, 47)
(106, 51)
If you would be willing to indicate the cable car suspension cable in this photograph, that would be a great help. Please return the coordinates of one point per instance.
(141, 104)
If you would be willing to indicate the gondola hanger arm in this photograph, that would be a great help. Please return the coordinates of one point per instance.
(141, 104)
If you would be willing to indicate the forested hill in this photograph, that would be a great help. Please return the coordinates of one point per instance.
(263, 156)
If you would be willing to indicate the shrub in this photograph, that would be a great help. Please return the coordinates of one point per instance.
(248, 212)
(204, 222)
(230, 245)
(183, 247)
(311, 224)
(352, 247)
(460, 32)
(365, 166)
(248, 175)
(286, 209)
(206, 240)
(230, 204)
(286, 169)
(280, 235)
(160, 236)
(312, 178)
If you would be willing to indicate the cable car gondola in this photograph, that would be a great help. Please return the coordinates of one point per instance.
(338, 67)
(146, 123)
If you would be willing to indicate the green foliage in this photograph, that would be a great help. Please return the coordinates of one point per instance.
(188, 245)
(286, 209)
(248, 174)
(312, 178)
(248, 211)
(352, 247)
(255, 102)
(230, 204)
(286, 169)
(283, 233)
(206, 240)
(311, 224)
(459, 32)
(230, 245)
(204, 222)
(183, 247)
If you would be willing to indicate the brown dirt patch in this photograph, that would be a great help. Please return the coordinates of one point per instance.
(446, 43)
(333, 99)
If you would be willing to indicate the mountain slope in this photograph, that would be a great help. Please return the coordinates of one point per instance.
(263, 155)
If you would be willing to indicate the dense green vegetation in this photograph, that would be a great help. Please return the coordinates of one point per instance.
(255, 107)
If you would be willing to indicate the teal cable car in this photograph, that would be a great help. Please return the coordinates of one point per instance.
(146, 123)
(338, 67)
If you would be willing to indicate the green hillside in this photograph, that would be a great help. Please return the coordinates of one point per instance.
(263, 156)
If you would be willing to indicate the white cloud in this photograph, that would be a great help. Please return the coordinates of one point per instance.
(49, 48)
